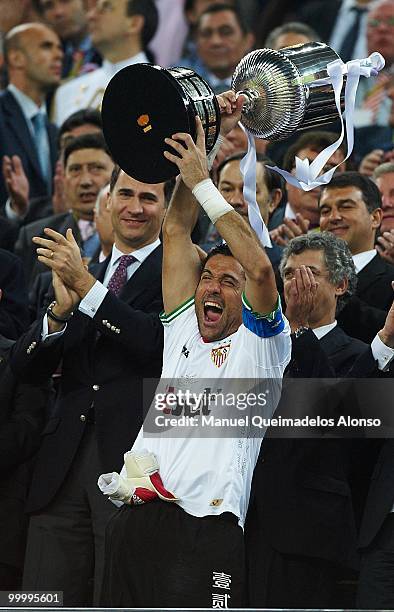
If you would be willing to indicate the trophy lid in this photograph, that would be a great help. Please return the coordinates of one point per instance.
(136, 120)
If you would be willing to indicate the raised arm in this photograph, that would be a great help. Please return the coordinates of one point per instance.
(191, 160)
(181, 261)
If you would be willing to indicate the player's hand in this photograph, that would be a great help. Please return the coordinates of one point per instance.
(230, 110)
(191, 157)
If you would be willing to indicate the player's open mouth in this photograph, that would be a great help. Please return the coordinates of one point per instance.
(212, 311)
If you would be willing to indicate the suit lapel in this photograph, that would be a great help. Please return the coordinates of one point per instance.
(334, 341)
(371, 272)
(16, 122)
(98, 269)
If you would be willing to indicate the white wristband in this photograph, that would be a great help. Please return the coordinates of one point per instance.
(211, 200)
(212, 155)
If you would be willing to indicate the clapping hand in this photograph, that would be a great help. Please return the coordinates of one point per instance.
(62, 255)
(385, 248)
(289, 229)
(387, 333)
(17, 184)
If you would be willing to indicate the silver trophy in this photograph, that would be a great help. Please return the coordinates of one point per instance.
(281, 90)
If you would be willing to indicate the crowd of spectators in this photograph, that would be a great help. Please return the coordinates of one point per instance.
(71, 397)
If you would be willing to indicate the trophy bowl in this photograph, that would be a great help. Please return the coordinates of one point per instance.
(283, 95)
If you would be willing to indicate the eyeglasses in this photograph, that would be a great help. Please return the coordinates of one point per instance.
(375, 23)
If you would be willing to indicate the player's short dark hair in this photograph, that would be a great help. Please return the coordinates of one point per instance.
(233, 8)
(219, 249)
(168, 185)
(148, 10)
(370, 192)
(86, 141)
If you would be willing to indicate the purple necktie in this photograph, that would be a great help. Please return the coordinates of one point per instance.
(119, 277)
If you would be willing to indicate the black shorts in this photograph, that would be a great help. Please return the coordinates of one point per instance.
(158, 556)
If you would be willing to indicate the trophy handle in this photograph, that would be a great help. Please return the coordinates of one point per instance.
(251, 96)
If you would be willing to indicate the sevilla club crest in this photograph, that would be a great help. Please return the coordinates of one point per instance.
(219, 354)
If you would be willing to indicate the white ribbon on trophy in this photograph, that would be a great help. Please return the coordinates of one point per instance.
(307, 173)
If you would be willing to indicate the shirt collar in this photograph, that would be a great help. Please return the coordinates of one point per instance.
(28, 106)
(140, 254)
(112, 69)
(323, 330)
(289, 212)
(362, 259)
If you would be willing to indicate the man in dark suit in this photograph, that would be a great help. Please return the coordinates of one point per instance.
(376, 540)
(14, 316)
(302, 530)
(23, 411)
(350, 207)
(87, 169)
(33, 57)
(111, 343)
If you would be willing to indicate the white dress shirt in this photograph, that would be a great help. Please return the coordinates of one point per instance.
(94, 298)
(362, 259)
(289, 212)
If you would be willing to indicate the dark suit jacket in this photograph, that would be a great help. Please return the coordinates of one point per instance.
(27, 250)
(8, 234)
(23, 409)
(302, 497)
(102, 376)
(14, 315)
(321, 16)
(365, 313)
(16, 139)
(380, 497)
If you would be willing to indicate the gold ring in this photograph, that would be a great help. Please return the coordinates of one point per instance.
(51, 255)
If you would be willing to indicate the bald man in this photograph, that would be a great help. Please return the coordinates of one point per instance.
(33, 56)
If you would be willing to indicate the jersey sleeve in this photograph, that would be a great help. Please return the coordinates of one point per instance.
(263, 325)
(267, 337)
(179, 325)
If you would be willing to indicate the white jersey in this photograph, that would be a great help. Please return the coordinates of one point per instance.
(212, 475)
(87, 90)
